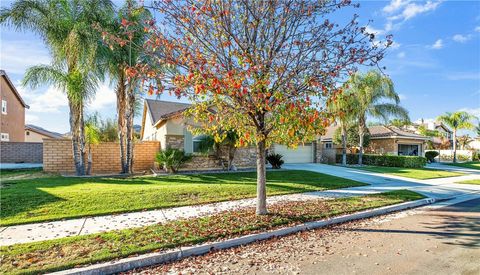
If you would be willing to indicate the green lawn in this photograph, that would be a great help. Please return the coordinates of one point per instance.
(477, 181)
(47, 256)
(470, 164)
(414, 173)
(55, 197)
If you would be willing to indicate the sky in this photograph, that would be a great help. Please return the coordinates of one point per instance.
(434, 61)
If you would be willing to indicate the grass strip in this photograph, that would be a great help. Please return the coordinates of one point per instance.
(414, 173)
(57, 198)
(53, 255)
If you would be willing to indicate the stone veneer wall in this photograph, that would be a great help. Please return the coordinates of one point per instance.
(21, 152)
(57, 156)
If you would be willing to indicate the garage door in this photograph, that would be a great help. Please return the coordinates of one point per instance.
(302, 154)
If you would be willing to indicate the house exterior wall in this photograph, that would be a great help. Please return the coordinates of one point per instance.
(58, 158)
(390, 145)
(31, 136)
(12, 123)
(21, 152)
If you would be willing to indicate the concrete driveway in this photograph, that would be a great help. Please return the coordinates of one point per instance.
(440, 188)
(429, 240)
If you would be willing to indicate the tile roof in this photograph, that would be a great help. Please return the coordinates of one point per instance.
(160, 109)
(42, 131)
(377, 131)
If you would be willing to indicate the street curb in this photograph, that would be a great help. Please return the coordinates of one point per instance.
(150, 259)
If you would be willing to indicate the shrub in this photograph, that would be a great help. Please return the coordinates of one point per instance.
(275, 160)
(386, 160)
(431, 155)
(172, 159)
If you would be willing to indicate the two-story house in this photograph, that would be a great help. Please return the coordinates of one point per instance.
(12, 118)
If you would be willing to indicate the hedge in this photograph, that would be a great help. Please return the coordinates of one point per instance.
(386, 160)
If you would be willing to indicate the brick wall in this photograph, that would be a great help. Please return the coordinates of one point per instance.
(21, 152)
(57, 156)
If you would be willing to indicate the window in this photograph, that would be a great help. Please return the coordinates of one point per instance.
(408, 150)
(28, 133)
(4, 107)
(328, 145)
(197, 141)
(5, 137)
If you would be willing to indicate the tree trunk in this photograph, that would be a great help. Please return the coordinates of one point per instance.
(120, 91)
(344, 145)
(129, 114)
(261, 179)
(231, 155)
(89, 165)
(361, 134)
(74, 129)
(454, 145)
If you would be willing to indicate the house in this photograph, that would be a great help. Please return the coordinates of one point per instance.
(37, 134)
(445, 134)
(383, 140)
(13, 111)
(164, 121)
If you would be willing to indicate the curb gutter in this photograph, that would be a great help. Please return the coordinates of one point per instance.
(150, 259)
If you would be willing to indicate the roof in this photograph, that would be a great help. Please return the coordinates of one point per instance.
(160, 109)
(42, 131)
(378, 131)
(15, 92)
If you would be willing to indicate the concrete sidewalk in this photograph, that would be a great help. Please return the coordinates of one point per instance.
(435, 188)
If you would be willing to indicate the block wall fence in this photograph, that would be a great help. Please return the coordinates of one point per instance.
(58, 158)
(21, 152)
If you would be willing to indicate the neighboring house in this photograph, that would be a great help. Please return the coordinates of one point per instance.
(383, 140)
(37, 134)
(445, 133)
(13, 111)
(164, 121)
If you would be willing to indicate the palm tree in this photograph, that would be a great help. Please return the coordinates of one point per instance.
(92, 137)
(477, 129)
(456, 121)
(374, 96)
(341, 108)
(117, 60)
(463, 141)
(66, 28)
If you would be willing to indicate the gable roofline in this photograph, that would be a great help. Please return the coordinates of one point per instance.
(41, 131)
(15, 92)
(161, 110)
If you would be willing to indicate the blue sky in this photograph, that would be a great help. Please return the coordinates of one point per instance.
(434, 63)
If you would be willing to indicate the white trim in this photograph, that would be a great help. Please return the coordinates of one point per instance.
(4, 137)
(399, 137)
(4, 106)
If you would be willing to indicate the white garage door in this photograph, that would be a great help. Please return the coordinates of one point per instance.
(302, 154)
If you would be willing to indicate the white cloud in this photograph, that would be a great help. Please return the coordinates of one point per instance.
(477, 28)
(49, 101)
(461, 38)
(463, 76)
(370, 29)
(30, 119)
(401, 55)
(399, 11)
(104, 97)
(438, 44)
(473, 111)
(402, 96)
(395, 5)
(18, 55)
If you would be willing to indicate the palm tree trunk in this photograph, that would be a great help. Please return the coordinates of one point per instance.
(454, 145)
(129, 114)
(90, 160)
(120, 91)
(74, 129)
(344, 144)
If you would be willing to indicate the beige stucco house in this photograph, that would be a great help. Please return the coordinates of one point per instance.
(384, 140)
(12, 117)
(164, 121)
(37, 134)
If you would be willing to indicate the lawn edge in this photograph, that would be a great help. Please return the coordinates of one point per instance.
(155, 258)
